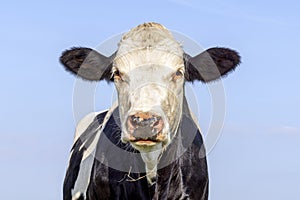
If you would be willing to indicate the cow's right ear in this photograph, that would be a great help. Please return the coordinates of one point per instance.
(87, 64)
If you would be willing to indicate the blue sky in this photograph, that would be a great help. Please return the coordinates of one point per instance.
(257, 156)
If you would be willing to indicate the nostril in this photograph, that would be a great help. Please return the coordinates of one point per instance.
(135, 120)
(144, 120)
(156, 121)
(144, 125)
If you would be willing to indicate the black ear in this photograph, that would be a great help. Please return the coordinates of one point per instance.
(211, 64)
(87, 63)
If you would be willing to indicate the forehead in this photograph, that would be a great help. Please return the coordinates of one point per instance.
(148, 44)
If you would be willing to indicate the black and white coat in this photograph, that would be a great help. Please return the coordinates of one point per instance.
(90, 178)
(149, 70)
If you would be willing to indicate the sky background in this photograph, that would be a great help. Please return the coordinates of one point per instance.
(257, 155)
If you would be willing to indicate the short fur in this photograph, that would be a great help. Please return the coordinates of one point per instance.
(211, 64)
(152, 46)
(87, 63)
(185, 178)
(207, 66)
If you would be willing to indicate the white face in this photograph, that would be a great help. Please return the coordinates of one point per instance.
(149, 77)
(150, 95)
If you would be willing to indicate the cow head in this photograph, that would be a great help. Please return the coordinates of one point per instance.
(149, 70)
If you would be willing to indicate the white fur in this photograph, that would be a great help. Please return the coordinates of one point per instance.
(147, 59)
(87, 160)
(84, 123)
(151, 159)
(149, 36)
(76, 196)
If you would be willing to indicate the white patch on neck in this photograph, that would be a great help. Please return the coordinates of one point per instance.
(151, 160)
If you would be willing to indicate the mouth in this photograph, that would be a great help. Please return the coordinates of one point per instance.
(150, 141)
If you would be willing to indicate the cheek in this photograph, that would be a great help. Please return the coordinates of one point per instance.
(173, 105)
(176, 96)
(123, 96)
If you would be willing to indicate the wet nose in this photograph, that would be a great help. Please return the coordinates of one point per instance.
(138, 121)
(144, 125)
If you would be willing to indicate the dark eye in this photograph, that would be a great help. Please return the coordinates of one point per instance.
(116, 74)
(178, 75)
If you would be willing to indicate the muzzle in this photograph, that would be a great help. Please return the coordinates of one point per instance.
(145, 128)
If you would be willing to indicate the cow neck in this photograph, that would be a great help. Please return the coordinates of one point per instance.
(161, 158)
(169, 174)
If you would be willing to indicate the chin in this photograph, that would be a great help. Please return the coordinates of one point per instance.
(147, 146)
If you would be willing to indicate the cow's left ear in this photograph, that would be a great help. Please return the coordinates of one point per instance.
(211, 64)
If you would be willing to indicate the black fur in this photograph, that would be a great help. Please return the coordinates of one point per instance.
(77, 153)
(184, 178)
(211, 64)
(87, 64)
(206, 66)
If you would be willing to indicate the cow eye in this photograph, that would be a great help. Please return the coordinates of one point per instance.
(117, 74)
(178, 75)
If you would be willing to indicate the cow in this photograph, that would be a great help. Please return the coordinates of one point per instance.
(148, 145)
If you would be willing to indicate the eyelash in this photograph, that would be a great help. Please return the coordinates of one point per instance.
(177, 75)
(116, 74)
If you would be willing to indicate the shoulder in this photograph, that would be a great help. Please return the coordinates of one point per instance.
(86, 121)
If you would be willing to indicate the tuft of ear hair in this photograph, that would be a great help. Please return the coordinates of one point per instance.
(87, 63)
(211, 64)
